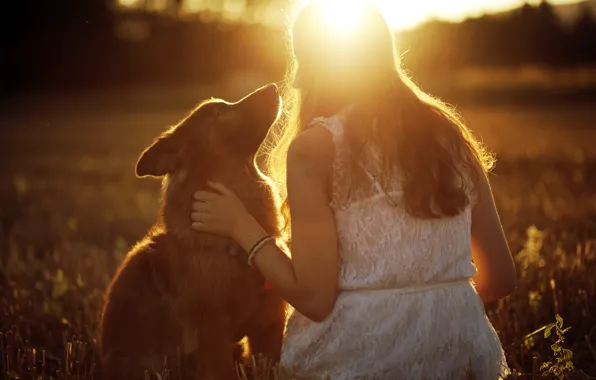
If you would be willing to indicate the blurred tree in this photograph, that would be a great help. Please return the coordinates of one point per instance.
(552, 39)
(584, 36)
(537, 36)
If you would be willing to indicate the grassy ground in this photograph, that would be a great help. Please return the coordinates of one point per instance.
(70, 207)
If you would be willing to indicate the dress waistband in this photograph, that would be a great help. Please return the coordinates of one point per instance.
(408, 289)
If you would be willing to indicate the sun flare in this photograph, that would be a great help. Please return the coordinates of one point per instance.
(341, 15)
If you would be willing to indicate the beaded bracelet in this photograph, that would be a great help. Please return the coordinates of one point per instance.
(257, 247)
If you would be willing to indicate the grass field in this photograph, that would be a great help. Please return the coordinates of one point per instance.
(71, 207)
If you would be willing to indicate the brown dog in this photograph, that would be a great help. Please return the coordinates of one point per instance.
(183, 295)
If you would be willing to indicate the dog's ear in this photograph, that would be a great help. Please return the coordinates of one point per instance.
(160, 158)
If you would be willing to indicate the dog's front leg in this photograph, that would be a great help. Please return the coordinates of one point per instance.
(207, 344)
(215, 355)
(207, 340)
(265, 332)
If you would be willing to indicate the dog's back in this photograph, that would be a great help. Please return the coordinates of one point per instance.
(181, 297)
(138, 329)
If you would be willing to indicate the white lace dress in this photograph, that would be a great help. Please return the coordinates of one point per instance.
(406, 308)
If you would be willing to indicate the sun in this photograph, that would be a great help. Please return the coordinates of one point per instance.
(342, 15)
(403, 15)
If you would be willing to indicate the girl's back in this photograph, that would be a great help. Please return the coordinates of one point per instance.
(406, 303)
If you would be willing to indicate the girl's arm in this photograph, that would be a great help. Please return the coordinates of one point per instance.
(496, 277)
(309, 280)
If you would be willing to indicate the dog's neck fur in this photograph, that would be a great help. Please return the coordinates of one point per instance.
(176, 210)
(177, 193)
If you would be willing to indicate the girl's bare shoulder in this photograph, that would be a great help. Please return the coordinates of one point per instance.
(312, 147)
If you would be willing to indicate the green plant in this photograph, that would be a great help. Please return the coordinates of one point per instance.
(563, 364)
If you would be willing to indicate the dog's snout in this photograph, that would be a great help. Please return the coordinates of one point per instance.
(268, 94)
(272, 87)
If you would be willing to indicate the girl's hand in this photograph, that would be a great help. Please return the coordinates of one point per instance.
(220, 212)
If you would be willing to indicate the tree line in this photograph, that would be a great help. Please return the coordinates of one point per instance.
(89, 44)
(528, 35)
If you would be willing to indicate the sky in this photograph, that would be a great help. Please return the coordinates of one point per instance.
(400, 14)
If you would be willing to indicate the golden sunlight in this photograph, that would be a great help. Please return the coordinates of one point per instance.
(342, 15)
(130, 3)
(405, 15)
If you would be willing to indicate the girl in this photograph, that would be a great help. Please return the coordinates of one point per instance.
(395, 238)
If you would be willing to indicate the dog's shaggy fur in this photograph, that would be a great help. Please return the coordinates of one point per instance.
(181, 294)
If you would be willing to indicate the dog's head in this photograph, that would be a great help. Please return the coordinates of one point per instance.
(216, 133)
(217, 142)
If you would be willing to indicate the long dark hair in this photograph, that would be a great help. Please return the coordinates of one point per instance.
(413, 131)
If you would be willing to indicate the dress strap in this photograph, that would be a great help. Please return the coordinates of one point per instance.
(332, 124)
(335, 126)
(373, 179)
(370, 176)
